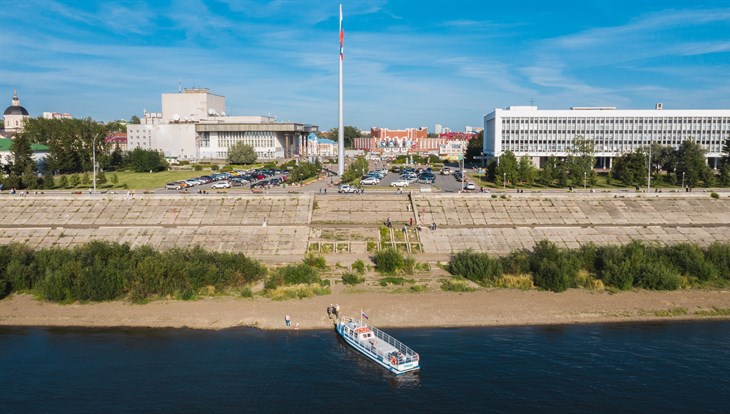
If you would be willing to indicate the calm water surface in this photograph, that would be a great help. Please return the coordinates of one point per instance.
(660, 367)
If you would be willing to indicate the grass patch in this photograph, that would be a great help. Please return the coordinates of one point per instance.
(399, 281)
(671, 312)
(456, 284)
(300, 291)
(522, 282)
(713, 312)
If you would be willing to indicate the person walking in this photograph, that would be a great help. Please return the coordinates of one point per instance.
(287, 319)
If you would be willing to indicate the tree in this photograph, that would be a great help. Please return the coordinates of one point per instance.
(547, 175)
(143, 160)
(115, 179)
(355, 170)
(691, 161)
(526, 172)
(630, 168)
(74, 180)
(20, 161)
(507, 168)
(63, 182)
(135, 120)
(241, 153)
(350, 134)
(101, 178)
(581, 160)
(474, 148)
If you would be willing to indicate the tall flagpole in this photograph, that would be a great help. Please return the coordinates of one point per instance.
(341, 128)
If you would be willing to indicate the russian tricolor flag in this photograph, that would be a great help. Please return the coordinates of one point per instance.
(363, 315)
(342, 37)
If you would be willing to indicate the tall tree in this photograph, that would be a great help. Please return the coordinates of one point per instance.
(355, 170)
(630, 168)
(526, 172)
(143, 160)
(581, 160)
(692, 163)
(507, 168)
(241, 153)
(350, 134)
(474, 148)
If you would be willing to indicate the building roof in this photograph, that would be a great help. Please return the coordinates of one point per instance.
(5, 144)
(16, 110)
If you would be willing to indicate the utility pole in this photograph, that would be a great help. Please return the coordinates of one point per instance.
(648, 176)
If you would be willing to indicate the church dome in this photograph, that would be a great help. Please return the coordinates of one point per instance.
(15, 110)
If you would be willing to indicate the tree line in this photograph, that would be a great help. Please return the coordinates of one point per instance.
(686, 164)
(71, 147)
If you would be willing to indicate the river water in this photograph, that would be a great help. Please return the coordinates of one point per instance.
(641, 368)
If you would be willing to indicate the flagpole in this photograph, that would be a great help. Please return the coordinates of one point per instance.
(341, 128)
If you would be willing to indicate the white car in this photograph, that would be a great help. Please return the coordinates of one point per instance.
(369, 181)
(400, 183)
(470, 186)
(221, 184)
(346, 188)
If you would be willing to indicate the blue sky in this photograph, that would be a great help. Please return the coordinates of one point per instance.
(407, 63)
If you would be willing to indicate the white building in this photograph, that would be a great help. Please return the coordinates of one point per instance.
(193, 125)
(525, 130)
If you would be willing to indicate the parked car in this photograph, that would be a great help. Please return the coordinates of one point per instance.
(427, 179)
(400, 183)
(346, 188)
(192, 182)
(369, 181)
(445, 171)
(172, 186)
(470, 186)
(221, 184)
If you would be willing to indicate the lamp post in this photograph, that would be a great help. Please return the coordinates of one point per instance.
(504, 181)
(93, 160)
(648, 175)
(584, 180)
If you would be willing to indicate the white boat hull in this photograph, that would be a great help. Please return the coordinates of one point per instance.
(375, 354)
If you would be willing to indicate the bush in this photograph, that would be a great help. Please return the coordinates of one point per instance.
(719, 255)
(516, 263)
(714, 195)
(292, 275)
(315, 261)
(352, 279)
(358, 266)
(523, 282)
(552, 268)
(388, 260)
(477, 267)
(689, 259)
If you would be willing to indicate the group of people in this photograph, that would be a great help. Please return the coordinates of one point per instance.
(333, 311)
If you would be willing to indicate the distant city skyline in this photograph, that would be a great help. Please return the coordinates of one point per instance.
(445, 63)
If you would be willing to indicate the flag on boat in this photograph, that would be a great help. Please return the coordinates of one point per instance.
(342, 37)
(363, 315)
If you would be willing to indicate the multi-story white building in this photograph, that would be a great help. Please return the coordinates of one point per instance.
(193, 125)
(538, 134)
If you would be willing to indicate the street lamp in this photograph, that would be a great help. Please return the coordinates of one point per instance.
(93, 159)
(504, 181)
(584, 180)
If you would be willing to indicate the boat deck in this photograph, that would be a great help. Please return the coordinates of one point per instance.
(378, 346)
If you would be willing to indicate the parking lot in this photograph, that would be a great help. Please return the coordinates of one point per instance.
(445, 183)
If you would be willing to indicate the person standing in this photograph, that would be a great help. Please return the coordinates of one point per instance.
(287, 319)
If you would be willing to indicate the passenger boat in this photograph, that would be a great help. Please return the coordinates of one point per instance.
(377, 345)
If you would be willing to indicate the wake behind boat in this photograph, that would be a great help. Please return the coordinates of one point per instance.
(377, 345)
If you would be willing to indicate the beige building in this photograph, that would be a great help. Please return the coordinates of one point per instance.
(14, 116)
(193, 125)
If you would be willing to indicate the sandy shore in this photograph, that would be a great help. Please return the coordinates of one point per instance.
(430, 309)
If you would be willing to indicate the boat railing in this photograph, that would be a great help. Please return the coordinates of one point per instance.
(406, 353)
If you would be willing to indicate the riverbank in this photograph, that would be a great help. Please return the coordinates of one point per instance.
(501, 307)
